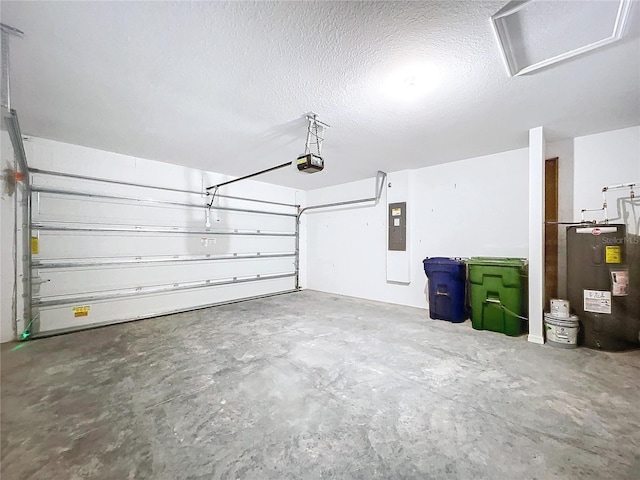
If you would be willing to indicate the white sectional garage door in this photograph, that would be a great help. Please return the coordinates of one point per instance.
(105, 251)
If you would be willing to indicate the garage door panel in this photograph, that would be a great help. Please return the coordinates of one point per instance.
(60, 282)
(57, 209)
(103, 186)
(108, 244)
(72, 185)
(64, 317)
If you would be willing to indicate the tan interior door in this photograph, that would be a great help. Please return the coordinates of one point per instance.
(551, 230)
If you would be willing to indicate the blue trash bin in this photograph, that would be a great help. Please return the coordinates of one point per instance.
(447, 282)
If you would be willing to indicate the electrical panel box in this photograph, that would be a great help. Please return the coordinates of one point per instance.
(398, 226)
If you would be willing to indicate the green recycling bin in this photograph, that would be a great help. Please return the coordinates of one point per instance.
(496, 294)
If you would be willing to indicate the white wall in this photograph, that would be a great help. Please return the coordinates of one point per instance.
(604, 159)
(6, 245)
(467, 208)
(473, 207)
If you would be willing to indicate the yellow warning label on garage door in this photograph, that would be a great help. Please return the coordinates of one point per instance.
(81, 311)
(34, 246)
(613, 254)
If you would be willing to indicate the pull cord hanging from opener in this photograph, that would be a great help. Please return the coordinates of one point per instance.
(207, 213)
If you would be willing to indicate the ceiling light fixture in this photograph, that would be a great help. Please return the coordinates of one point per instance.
(413, 81)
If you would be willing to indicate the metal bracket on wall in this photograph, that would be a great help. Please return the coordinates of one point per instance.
(6, 31)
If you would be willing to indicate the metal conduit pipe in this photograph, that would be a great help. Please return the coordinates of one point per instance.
(604, 207)
(622, 185)
(380, 179)
(584, 210)
(614, 187)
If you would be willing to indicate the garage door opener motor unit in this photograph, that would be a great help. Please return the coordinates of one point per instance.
(310, 162)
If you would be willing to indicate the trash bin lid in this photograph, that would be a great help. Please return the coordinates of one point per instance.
(442, 261)
(497, 261)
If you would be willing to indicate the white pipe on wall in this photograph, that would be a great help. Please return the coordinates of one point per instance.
(622, 185)
(604, 207)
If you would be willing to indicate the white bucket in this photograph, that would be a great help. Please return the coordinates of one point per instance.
(559, 308)
(561, 332)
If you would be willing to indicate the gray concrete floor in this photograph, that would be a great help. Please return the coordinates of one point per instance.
(310, 386)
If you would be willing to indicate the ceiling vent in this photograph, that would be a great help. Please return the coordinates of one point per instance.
(534, 34)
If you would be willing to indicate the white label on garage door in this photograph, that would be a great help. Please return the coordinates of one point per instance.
(597, 301)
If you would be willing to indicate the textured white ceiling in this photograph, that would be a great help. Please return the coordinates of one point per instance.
(223, 86)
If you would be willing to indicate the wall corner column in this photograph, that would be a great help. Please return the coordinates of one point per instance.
(536, 234)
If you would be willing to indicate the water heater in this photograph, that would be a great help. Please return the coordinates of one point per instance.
(603, 285)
